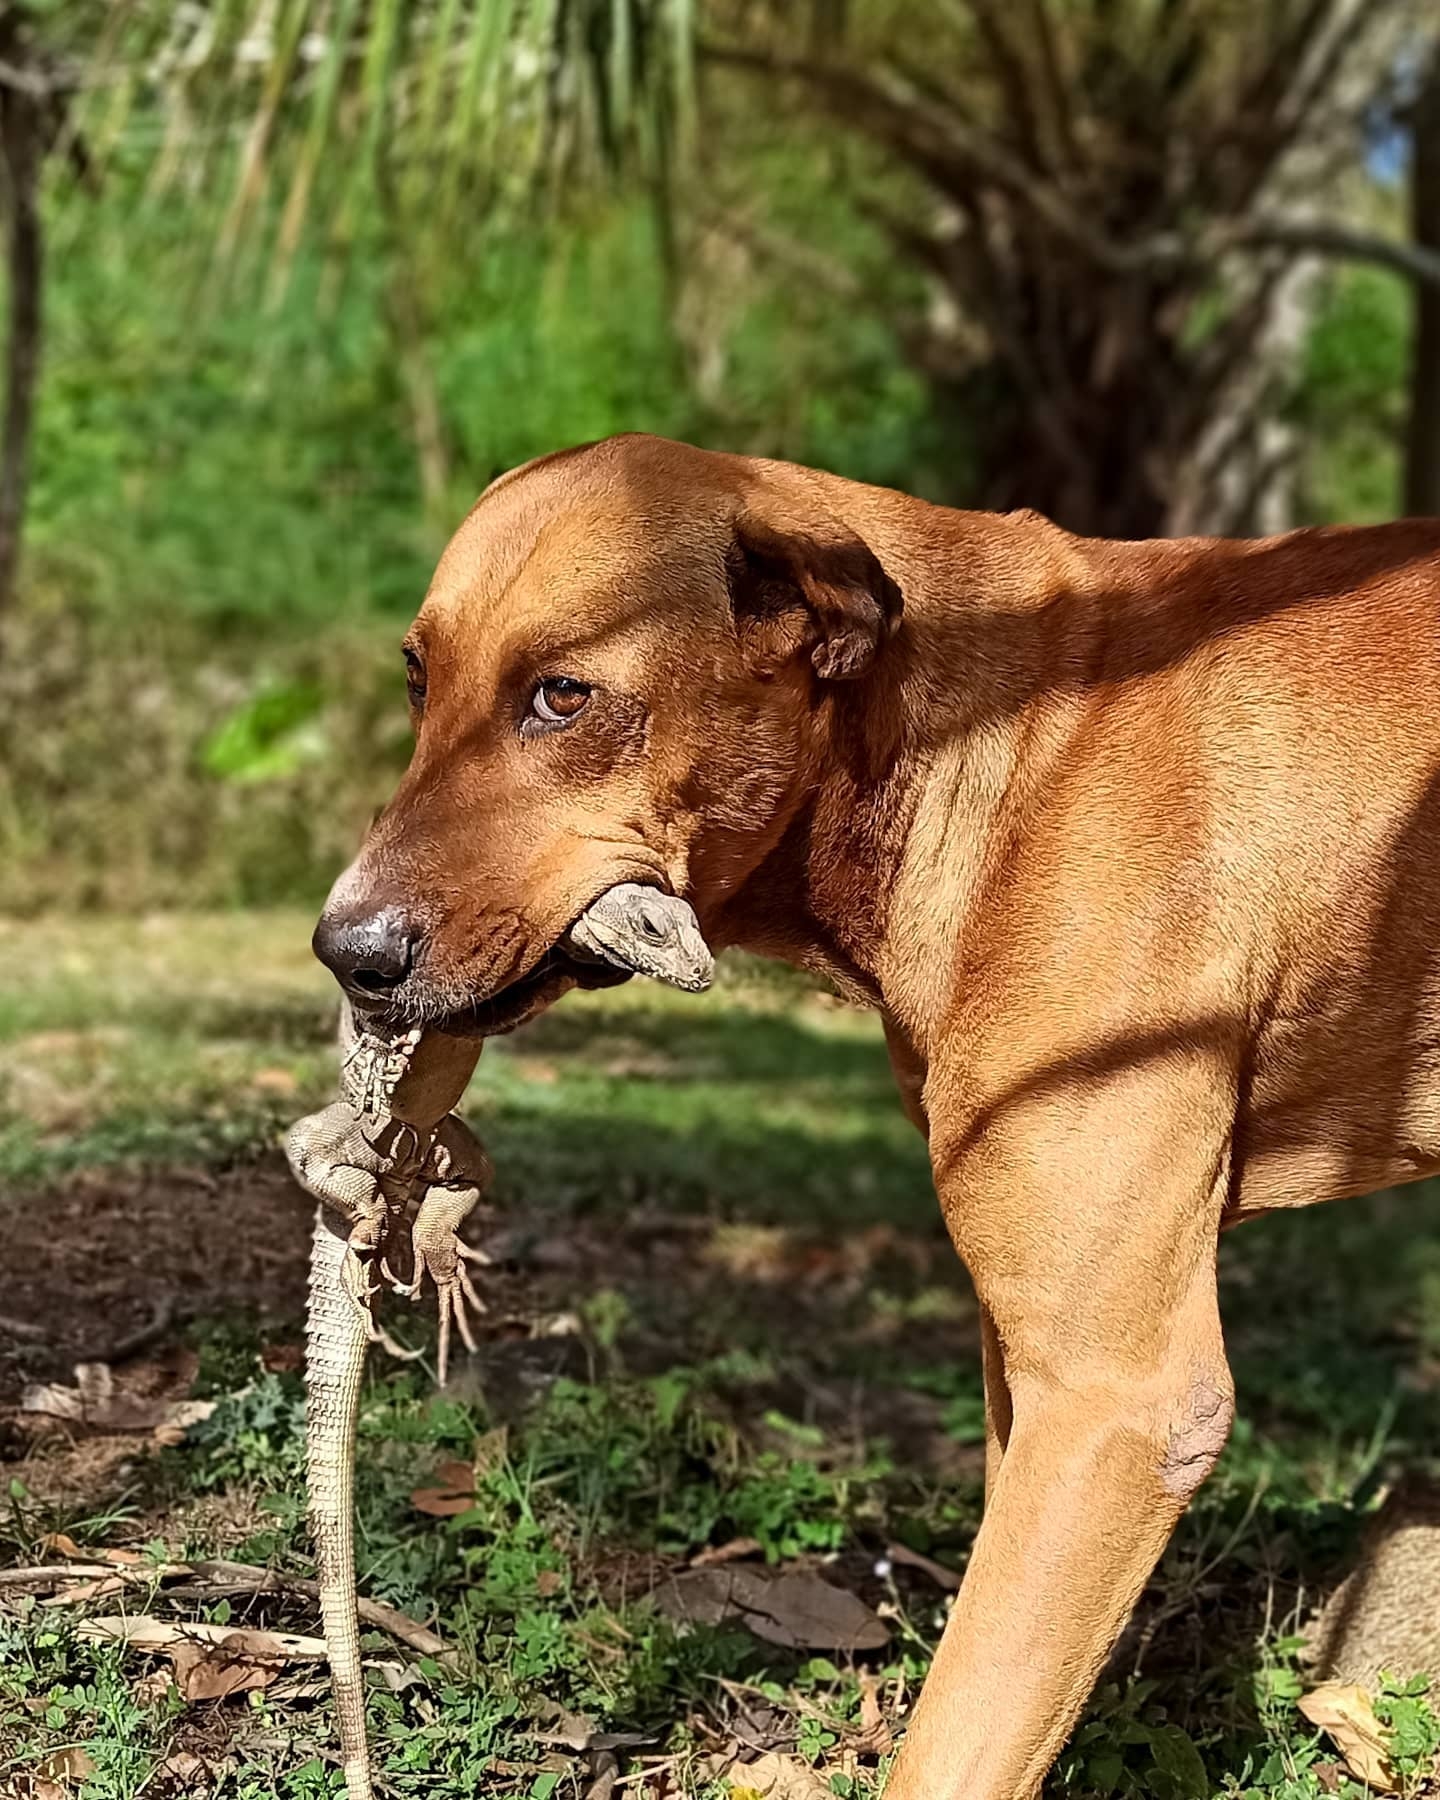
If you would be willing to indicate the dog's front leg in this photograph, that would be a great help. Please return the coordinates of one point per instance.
(1091, 1238)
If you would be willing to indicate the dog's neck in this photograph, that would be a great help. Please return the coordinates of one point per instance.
(1006, 624)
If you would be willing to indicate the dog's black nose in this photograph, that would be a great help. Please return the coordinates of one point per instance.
(369, 957)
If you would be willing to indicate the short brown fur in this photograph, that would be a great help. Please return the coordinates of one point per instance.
(1134, 846)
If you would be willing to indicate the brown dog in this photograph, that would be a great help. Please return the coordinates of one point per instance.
(1134, 846)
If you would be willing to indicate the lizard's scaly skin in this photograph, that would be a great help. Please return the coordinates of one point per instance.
(335, 1340)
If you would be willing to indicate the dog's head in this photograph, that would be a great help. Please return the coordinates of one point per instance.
(620, 673)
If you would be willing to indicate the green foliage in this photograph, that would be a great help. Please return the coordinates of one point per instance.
(257, 1434)
(268, 736)
(85, 1697)
(1128, 1746)
(1350, 402)
(1412, 1729)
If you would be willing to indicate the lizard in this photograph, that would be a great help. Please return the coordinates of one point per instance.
(384, 1173)
(390, 1158)
(639, 928)
(366, 1160)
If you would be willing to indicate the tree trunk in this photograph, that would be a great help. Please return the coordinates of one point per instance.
(1422, 448)
(22, 139)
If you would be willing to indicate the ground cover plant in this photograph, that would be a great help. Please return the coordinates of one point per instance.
(728, 1351)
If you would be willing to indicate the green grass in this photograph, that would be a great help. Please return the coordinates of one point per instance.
(727, 1311)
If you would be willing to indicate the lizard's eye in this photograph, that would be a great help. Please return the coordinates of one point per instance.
(558, 701)
(414, 679)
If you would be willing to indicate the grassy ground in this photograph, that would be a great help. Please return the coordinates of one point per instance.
(723, 1317)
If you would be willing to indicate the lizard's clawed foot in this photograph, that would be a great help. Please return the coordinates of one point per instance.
(459, 1172)
(455, 1296)
(360, 1290)
(359, 1263)
(442, 1254)
(379, 1335)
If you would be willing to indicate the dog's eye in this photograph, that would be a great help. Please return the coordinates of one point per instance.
(414, 679)
(558, 700)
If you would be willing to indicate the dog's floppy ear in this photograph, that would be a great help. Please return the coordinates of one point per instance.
(800, 579)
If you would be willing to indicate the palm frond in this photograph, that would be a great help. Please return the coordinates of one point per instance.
(294, 111)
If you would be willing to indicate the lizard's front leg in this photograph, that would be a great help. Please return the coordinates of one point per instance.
(336, 1163)
(459, 1172)
(330, 1158)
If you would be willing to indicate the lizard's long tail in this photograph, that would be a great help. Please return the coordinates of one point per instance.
(335, 1342)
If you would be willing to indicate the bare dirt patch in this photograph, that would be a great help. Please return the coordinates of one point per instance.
(95, 1260)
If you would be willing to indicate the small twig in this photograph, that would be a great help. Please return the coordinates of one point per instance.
(22, 1329)
(162, 1315)
(796, 1702)
(605, 1768)
(247, 1578)
(47, 1574)
(1172, 1608)
(657, 1766)
(211, 1580)
(913, 1559)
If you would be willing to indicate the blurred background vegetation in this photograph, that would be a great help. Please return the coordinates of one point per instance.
(291, 280)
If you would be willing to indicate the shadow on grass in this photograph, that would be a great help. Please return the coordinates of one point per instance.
(700, 1040)
(1333, 1318)
(283, 1021)
(743, 1114)
(770, 1173)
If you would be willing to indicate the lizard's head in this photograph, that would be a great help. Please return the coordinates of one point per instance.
(619, 675)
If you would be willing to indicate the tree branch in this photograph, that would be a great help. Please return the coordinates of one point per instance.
(827, 273)
(955, 155)
(1338, 243)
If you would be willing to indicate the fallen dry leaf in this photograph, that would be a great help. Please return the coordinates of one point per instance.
(572, 1730)
(773, 1777)
(214, 1672)
(153, 1688)
(1345, 1715)
(274, 1081)
(80, 1592)
(606, 1770)
(576, 1731)
(69, 1764)
(451, 1493)
(796, 1609)
(141, 1632)
(735, 1551)
(873, 1737)
(185, 1767)
(62, 1544)
(556, 1325)
(92, 1392)
(753, 1252)
(95, 1401)
(913, 1559)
